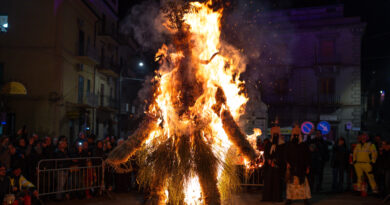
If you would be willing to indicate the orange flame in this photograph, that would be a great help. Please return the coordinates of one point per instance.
(216, 64)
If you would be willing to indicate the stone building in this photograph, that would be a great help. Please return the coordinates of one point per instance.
(310, 67)
(68, 55)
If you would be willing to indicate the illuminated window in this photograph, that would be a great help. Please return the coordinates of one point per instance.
(4, 23)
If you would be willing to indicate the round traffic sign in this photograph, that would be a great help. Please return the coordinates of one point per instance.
(306, 127)
(324, 127)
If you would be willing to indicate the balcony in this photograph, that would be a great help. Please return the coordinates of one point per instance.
(326, 100)
(108, 68)
(322, 100)
(88, 56)
(108, 103)
(276, 99)
(106, 34)
(92, 100)
(113, 103)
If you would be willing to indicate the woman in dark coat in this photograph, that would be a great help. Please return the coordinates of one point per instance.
(273, 169)
(339, 164)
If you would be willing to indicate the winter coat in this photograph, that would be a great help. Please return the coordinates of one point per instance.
(340, 157)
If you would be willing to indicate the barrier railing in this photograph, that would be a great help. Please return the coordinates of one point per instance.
(251, 177)
(56, 176)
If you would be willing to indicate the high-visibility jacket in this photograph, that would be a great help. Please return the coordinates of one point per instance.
(23, 182)
(365, 153)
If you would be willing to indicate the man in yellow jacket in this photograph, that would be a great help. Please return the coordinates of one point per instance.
(364, 155)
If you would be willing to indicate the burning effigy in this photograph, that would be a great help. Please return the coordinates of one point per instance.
(184, 144)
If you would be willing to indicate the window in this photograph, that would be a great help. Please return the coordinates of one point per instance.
(1, 73)
(88, 93)
(104, 24)
(327, 86)
(327, 48)
(81, 43)
(102, 95)
(113, 28)
(102, 55)
(81, 90)
(4, 23)
(281, 86)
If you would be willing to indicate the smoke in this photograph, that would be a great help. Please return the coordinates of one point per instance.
(247, 25)
(144, 23)
(256, 30)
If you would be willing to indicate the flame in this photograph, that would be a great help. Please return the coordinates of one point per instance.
(215, 64)
(193, 192)
(253, 140)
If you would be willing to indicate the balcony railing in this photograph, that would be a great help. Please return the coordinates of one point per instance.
(278, 99)
(325, 100)
(92, 100)
(113, 103)
(88, 56)
(107, 101)
(109, 68)
(110, 34)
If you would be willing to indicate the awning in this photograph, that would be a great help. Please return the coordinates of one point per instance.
(14, 88)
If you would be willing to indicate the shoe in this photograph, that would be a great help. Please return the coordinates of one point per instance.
(306, 202)
(288, 202)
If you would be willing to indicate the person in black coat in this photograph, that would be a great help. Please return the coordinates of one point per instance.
(339, 163)
(322, 150)
(98, 151)
(273, 169)
(48, 149)
(62, 176)
(297, 156)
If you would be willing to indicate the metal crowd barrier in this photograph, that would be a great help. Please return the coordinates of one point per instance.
(56, 176)
(253, 178)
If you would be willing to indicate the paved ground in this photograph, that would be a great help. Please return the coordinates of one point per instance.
(247, 197)
(252, 197)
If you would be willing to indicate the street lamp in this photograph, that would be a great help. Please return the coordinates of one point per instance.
(141, 64)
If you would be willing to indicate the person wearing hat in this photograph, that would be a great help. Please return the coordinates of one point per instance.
(364, 155)
(274, 167)
(297, 156)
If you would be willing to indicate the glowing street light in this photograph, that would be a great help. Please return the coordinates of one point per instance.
(141, 64)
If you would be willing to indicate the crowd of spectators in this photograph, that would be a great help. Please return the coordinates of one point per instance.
(19, 157)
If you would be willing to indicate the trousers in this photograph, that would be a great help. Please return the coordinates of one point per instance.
(366, 168)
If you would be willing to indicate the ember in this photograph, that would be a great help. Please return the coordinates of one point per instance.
(183, 145)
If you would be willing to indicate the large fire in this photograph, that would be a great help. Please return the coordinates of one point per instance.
(191, 125)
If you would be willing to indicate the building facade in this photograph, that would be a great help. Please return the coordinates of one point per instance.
(310, 68)
(69, 57)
